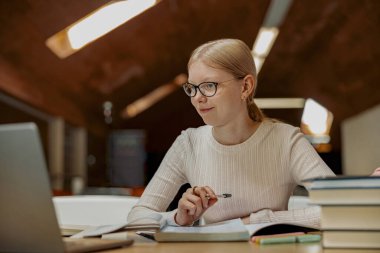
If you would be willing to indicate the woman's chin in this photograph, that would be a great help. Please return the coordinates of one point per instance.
(209, 121)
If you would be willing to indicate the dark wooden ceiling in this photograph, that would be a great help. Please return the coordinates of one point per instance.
(327, 50)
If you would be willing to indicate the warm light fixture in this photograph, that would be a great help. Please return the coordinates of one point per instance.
(316, 121)
(95, 25)
(315, 117)
(259, 61)
(280, 103)
(263, 44)
(264, 41)
(153, 97)
(105, 20)
(268, 32)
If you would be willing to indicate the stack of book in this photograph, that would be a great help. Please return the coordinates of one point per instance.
(350, 212)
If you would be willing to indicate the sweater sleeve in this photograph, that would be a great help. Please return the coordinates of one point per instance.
(163, 187)
(304, 163)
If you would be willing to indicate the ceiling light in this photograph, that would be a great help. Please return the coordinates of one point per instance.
(264, 41)
(316, 122)
(153, 97)
(280, 103)
(277, 12)
(259, 61)
(95, 25)
(147, 101)
(105, 20)
(315, 116)
(180, 79)
(268, 32)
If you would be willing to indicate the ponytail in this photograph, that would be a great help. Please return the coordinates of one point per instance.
(254, 111)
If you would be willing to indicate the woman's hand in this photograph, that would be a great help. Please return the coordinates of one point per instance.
(376, 172)
(194, 202)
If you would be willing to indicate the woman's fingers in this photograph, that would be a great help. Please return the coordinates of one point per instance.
(197, 201)
(206, 194)
(203, 198)
(188, 206)
(210, 193)
(194, 203)
(376, 172)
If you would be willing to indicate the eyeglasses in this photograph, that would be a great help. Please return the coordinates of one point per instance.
(207, 89)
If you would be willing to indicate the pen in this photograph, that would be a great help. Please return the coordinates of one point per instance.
(224, 195)
(146, 234)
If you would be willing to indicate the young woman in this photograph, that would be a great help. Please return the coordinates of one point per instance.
(257, 160)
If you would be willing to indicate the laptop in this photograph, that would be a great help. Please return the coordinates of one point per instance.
(28, 221)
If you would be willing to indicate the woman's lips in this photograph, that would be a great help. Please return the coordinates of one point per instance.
(205, 110)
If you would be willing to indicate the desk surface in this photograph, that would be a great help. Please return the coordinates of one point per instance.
(145, 245)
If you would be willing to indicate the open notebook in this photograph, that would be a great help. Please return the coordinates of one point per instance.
(27, 217)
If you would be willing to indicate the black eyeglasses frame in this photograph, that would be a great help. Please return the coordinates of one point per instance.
(198, 87)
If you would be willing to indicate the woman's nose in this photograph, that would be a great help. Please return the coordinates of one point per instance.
(199, 97)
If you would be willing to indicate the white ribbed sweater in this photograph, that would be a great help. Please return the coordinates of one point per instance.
(260, 173)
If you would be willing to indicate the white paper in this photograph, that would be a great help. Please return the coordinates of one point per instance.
(235, 225)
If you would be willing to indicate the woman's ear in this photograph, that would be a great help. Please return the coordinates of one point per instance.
(248, 86)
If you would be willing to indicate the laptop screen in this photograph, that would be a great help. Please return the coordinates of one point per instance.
(27, 215)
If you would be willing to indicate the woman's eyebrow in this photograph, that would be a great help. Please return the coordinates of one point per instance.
(206, 79)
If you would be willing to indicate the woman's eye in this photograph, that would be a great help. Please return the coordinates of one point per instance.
(209, 86)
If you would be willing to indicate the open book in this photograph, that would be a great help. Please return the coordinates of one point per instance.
(272, 228)
(231, 230)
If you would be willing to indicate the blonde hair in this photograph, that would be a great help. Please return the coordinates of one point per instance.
(234, 57)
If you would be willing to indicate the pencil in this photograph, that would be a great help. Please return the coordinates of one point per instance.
(278, 240)
(257, 238)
